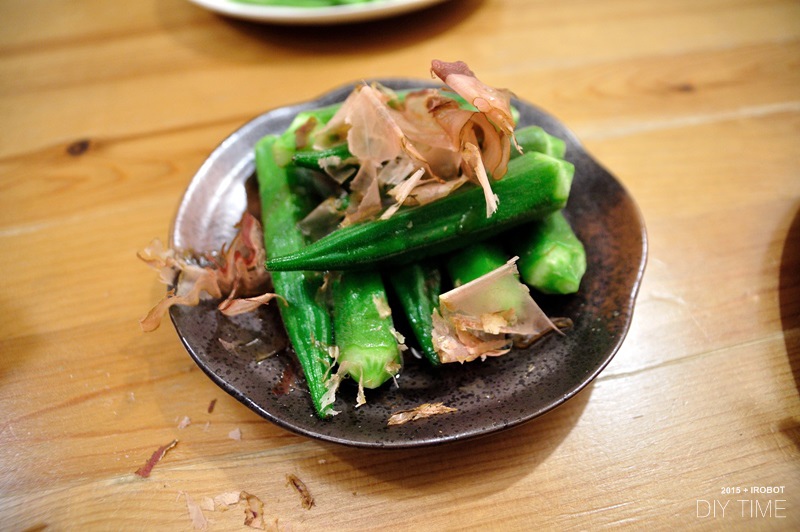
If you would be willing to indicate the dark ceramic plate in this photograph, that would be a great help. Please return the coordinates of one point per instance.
(490, 396)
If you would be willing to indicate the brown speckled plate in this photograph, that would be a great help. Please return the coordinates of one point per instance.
(489, 396)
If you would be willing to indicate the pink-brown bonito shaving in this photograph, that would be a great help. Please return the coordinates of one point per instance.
(494, 103)
(421, 147)
(236, 271)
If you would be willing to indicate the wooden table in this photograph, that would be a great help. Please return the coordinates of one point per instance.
(107, 111)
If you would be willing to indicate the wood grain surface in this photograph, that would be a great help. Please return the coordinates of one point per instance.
(108, 109)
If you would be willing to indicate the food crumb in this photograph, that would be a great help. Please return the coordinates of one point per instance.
(199, 521)
(423, 411)
(305, 496)
(382, 306)
(211, 406)
(253, 511)
(235, 434)
(207, 504)
(229, 346)
(224, 500)
(156, 457)
(185, 422)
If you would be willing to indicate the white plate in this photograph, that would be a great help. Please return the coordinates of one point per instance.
(315, 15)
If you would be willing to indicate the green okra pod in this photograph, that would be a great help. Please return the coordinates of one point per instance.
(306, 318)
(535, 185)
(552, 258)
(478, 259)
(417, 287)
(364, 330)
(319, 159)
(534, 138)
(469, 263)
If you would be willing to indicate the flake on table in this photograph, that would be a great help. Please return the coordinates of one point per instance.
(227, 499)
(185, 422)
(156, 457)
(235, 434)
(199, 521)
(207, 504)
(253, 511)
(305, 495)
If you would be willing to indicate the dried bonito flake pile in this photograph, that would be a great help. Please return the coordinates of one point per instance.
(422, 146)
(236, 274)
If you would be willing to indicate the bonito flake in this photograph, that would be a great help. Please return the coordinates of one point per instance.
(418, 148)
(483, 317)
(422, 411)
(236, 273)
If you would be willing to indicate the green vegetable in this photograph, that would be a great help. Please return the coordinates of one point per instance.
(469, 263)
(478, 259)
(316, 186)
(552, 258)
(534, 186)
(312, 158)
(417, 287)
(305, 318)
(364, 330)
(286, 144)
(534, 138)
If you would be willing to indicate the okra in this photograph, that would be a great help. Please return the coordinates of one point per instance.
(534, 138)
(535, 185)
(305, 317)
(363, 328)
(478, 259)
(316, 159)
(469, 263)
(552, 258)
(417, 287)
(286, 144)
(311, 183)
